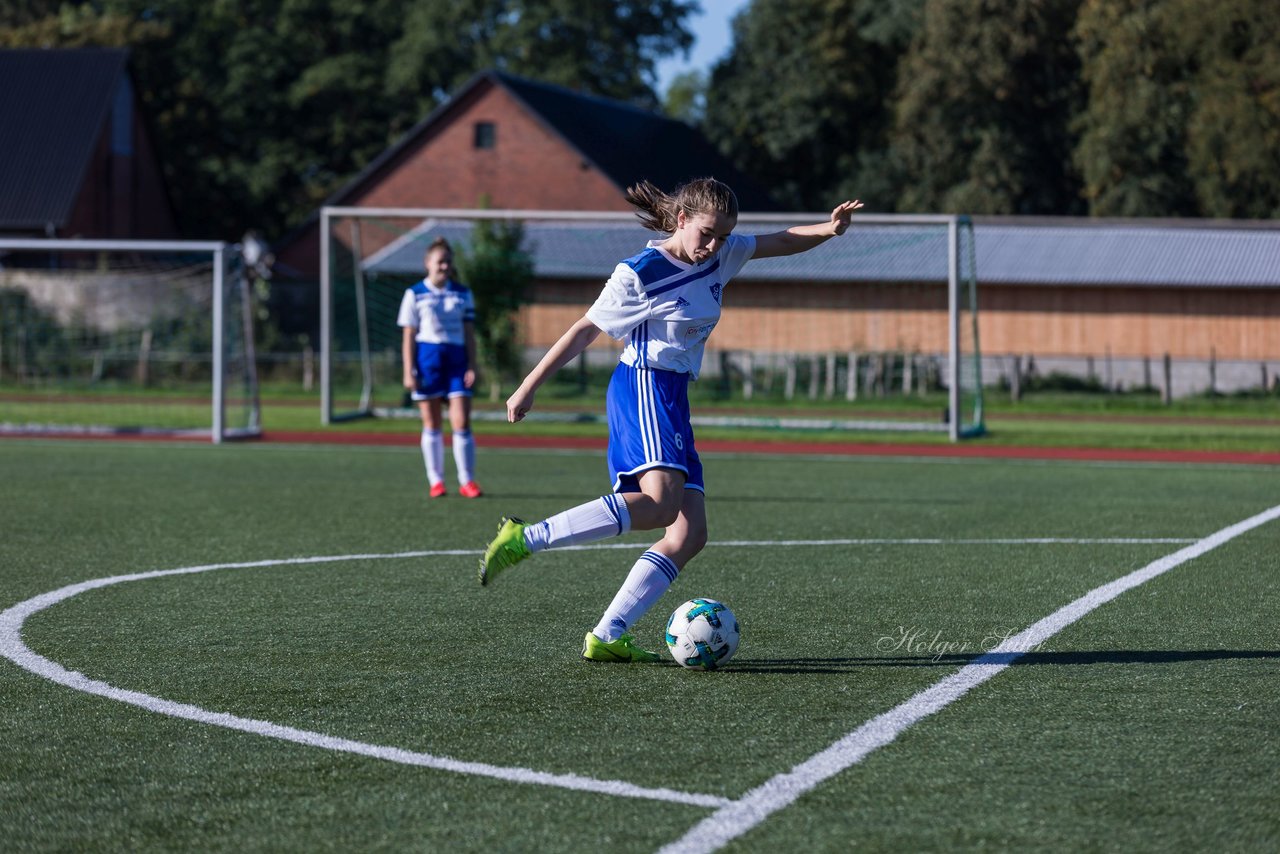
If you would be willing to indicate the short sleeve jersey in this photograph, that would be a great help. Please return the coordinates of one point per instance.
(665, 308)
(438, 314)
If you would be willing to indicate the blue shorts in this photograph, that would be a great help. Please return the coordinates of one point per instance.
(440, 371)
(649, 427)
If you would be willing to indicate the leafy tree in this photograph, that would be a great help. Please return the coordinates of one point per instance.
(499, 272)
(686, 97)
(54, 24)
(18, 13)
(1183, 111)
(1131, 151)
(801, 100)
(605, 48)
(983, 109)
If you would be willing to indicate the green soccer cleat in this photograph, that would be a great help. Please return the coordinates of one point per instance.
(624, 650)
(507, 549)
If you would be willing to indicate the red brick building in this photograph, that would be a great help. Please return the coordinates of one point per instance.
(509, 143)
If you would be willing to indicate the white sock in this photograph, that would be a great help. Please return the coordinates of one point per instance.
(645, 584)
(464, 455)
(433, 455)
(599, 519)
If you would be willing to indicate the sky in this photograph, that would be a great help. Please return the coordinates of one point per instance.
(711, 31)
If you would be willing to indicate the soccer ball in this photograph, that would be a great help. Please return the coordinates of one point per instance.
(702, 634)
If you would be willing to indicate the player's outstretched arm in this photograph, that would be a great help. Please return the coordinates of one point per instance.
(801, 238)
(571, 344)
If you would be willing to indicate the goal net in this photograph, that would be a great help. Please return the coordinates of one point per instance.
(125, 337)
(888, 311)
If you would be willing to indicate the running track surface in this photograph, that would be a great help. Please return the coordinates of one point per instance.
(868, 449)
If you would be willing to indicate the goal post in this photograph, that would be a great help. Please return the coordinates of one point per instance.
(370, 255)
(138, 337)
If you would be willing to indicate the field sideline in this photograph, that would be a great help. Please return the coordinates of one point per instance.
(961, 450)
(938, 653)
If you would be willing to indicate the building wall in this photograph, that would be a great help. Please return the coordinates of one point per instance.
(123, 194)
(1186, 323)
(1196, 323)
(529, 168)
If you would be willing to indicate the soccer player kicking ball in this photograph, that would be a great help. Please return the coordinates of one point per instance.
(664, 301)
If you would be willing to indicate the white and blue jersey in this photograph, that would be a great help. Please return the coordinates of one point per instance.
(664, 309)
(438, 316)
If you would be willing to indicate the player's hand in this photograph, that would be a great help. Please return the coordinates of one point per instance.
(841, 216)
(518, 405)
(409, 382)
(469, 378)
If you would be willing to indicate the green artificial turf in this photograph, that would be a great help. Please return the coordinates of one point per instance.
(1147, 725)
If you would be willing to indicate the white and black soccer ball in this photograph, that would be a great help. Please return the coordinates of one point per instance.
(702, 634)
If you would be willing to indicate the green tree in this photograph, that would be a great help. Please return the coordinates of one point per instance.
(983, 109)
(686, 97)
(800, 102)
(500, 273)
(54, 24)
(605, 48)
(1183, 110)
(19, 13)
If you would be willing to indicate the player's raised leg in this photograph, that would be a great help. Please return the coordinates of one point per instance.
(612, 515)
(606, 516)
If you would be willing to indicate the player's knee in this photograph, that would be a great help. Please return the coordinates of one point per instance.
(695, 540)
(668, 510)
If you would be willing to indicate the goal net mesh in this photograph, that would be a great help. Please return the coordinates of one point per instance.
(121, 339)
(889, 311)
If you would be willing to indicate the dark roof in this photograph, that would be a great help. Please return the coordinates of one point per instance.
(629, 144)
(53, 106)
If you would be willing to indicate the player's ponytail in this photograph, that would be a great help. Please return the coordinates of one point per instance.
(657, 210)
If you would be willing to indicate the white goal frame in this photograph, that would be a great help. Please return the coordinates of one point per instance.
(956, 283)
(222, 254)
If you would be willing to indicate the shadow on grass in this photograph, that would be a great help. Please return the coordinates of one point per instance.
(1123, 656)
(573, 498)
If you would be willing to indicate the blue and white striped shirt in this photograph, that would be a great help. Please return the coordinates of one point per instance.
(665, 308)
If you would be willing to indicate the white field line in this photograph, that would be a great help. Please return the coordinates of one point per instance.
(928, 541)
(13, 648)
(736, 818)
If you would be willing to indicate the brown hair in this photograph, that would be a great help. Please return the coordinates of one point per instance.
(438, 243)
(657, 210)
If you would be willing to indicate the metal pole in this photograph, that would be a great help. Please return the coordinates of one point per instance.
(362, 317)
(326, 323)
(953, 326)
(219, 389)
